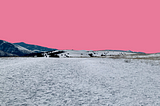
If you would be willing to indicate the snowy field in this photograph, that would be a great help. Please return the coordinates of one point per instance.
(79, 82)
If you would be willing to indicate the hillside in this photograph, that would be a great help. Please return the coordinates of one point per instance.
(88, 54)
(34, 48)
(4, 54)
(12, 49)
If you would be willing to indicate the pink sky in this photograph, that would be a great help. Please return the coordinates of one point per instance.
(83, 24)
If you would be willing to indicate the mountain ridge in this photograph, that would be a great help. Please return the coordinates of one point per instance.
(10, 48)
(35, 48)
(24, 49)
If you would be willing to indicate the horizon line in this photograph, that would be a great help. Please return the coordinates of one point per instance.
(88, 49)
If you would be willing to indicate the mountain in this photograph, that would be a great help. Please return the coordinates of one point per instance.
(23, 49)
(4, 54)
(34, 48)
(12, 49)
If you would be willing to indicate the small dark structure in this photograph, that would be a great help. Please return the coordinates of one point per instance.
(91, 55)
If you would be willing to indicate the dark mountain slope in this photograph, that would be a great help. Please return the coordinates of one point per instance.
(10, 48)
(34, 48)
(4, 54)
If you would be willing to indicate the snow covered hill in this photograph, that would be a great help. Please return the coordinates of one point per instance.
(87, 54)
(20, 49)
(23, 49)
(13, 49)
(34, 48)
(4, 54)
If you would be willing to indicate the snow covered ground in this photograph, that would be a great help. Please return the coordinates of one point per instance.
(87, 54)
(79, 82)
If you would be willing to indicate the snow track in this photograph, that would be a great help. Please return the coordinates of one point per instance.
(79, 82)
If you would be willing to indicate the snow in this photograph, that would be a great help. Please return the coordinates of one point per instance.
(79, 82)
(84, 53)
(24, 50)
(145, 56)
